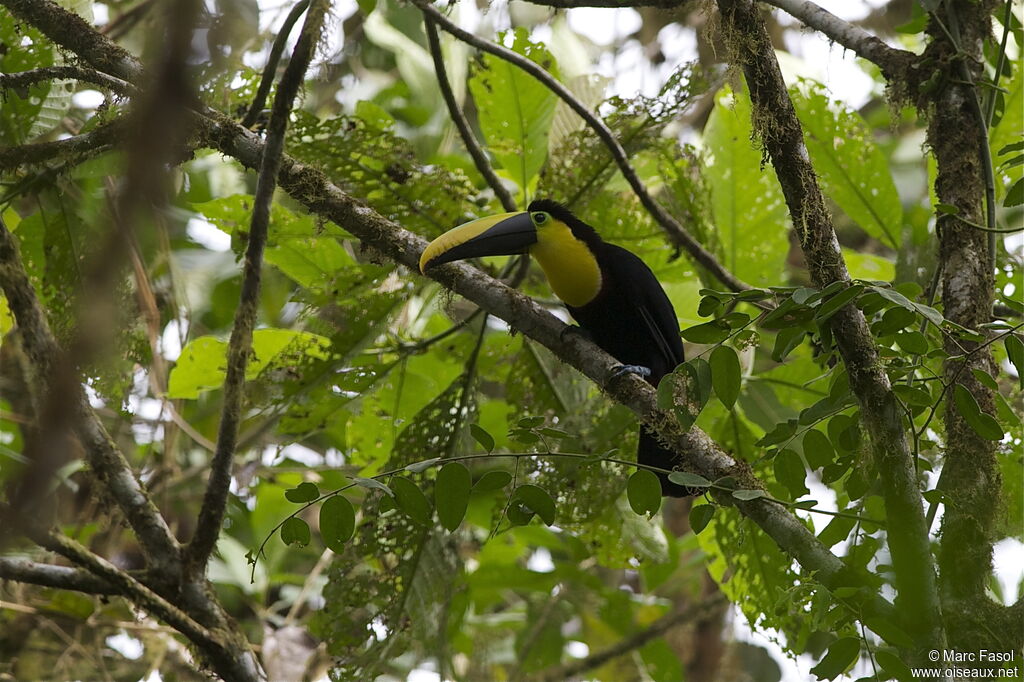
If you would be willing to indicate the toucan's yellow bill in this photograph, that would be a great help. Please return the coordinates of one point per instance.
(505, 234)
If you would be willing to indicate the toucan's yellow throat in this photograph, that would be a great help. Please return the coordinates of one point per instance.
(567, 261)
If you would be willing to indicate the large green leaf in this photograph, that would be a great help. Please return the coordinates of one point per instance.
(515, 110)
(202, 364)
(745, 196)
(853, 171)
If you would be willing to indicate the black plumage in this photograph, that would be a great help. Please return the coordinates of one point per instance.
(632, 319)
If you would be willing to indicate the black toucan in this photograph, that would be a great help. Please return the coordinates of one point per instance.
(609, 291)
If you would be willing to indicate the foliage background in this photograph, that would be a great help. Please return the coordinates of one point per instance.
(361, 367)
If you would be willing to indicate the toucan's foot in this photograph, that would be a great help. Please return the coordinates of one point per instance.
(639, 370)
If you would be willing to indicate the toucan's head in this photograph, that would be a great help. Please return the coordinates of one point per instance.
(561, 243)
(506, 234)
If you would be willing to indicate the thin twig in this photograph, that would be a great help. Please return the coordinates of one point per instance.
(642, 636)
(211, 514)
(270, 68)
(676, 232)
(459, 119)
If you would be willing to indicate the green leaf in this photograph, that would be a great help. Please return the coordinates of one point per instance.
(451, 494)
(747, 495)
(912, 395)
(853, 170)
(491, 481)
(894, 666)
(295, 531)
(688, 479)
(643, 490)
(481, 436)
(725, 375)
(889, 631)
(515, 110)
(1015, 195)
(538, 501)
(832, 305)
(818, 449)
(841, 655)
(789, 471)
(746, 198)
(700, 517)
(411, 500)
(304, 492)
(202, 364)
(982, 423)
(1015, 352)
(786, 342)
(912, 342)
(836, 531)
(709, 332)
(337, 522)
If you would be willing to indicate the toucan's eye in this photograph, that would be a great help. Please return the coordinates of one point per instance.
(540, 218)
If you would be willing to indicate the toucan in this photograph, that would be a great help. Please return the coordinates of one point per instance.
(609, 291)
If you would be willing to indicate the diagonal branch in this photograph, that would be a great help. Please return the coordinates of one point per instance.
(776, 123)
(74, 33)
(211, 515)
(230, 662)
(692, 614)
(676, 232)
(105, 460)
(892, 61)
(472, 146)
(700, 453)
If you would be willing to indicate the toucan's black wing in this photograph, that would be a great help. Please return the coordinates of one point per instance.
(633, 319)
(634, 282)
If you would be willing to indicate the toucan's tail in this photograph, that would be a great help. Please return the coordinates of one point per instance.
(651, 453)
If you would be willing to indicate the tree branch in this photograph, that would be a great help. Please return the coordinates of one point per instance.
(610, 4)
(230, 662)
(49, 575)
(624, 646)
(211, 515)
(459, 119)
(700, 454)
(74, 33)
(105, 460)
(26, 78)
(276, 50)
(71, 151)
(776, 123)
(676, 232)
(893, 62)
